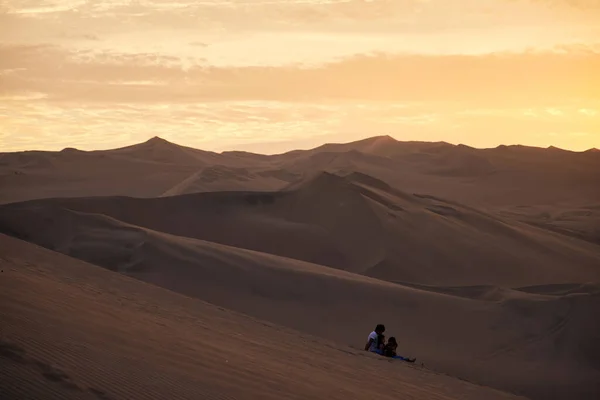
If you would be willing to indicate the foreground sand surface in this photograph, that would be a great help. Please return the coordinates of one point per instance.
(483, 263)
(73, 330)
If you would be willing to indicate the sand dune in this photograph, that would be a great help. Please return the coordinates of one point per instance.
(496, 343)
(484, 263)
(223, 178)
(506, 175)
(581, 222)
(71, 330)
(148, 169)
(502, 334)
(355, 223)
(162, 151)
(499, 177)
(82, 173)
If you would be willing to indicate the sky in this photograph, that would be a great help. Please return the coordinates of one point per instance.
(272, 75)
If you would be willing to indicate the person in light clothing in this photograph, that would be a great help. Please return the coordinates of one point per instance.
(376, 340)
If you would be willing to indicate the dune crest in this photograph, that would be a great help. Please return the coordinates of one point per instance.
(498, 177)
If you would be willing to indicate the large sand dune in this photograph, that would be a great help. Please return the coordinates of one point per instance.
(484, 263)
(222, 178)
(149, 169)
(74, 331)
(506, 175)
(355, 223)
(526, 183)
(511, 339)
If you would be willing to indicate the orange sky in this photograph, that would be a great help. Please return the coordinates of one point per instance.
(269, 76)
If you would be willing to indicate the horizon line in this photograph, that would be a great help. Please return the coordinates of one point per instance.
(325, 143)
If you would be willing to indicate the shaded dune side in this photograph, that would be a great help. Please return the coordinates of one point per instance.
(582, 222)
(434, 241)
(87, 174)
(309, 224)
(493, 342)
(224, 178)
(359, 224)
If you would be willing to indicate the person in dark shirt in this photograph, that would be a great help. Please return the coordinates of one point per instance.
(389, 350)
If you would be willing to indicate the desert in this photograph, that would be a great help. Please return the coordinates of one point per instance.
(162, 270)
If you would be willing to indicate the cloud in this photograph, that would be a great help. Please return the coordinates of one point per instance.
(582, 4)
(494, 79)
(218, 73)
(44, 7)
(416, 15)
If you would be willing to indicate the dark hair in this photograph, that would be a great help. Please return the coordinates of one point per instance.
(392, 340)
(380, 328)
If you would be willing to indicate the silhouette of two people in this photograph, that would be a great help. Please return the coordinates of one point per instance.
(376, 343)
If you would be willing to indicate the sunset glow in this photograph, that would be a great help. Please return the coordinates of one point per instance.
(270, 76)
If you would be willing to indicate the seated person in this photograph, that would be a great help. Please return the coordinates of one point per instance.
(389, 350)
(375, 343)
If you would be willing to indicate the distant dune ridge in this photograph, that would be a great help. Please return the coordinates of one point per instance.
(506, 175)
(485, 264)
(353, 223)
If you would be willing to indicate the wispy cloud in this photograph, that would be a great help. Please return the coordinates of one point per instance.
(113, 77)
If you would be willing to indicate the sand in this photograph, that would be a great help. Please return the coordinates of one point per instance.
(505, 176)
(72, 330)
(509, 338)
(484, 264)
(354, 223)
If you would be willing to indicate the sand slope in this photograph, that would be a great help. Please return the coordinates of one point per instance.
(71, 330)
(541, 187)
(582, 222)
(512, 339)
(499, 177)
(162, 151)
(355, 223)
(502, 176)
(484, 263)
(32, 175)
(147, 169)
(223, 178)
